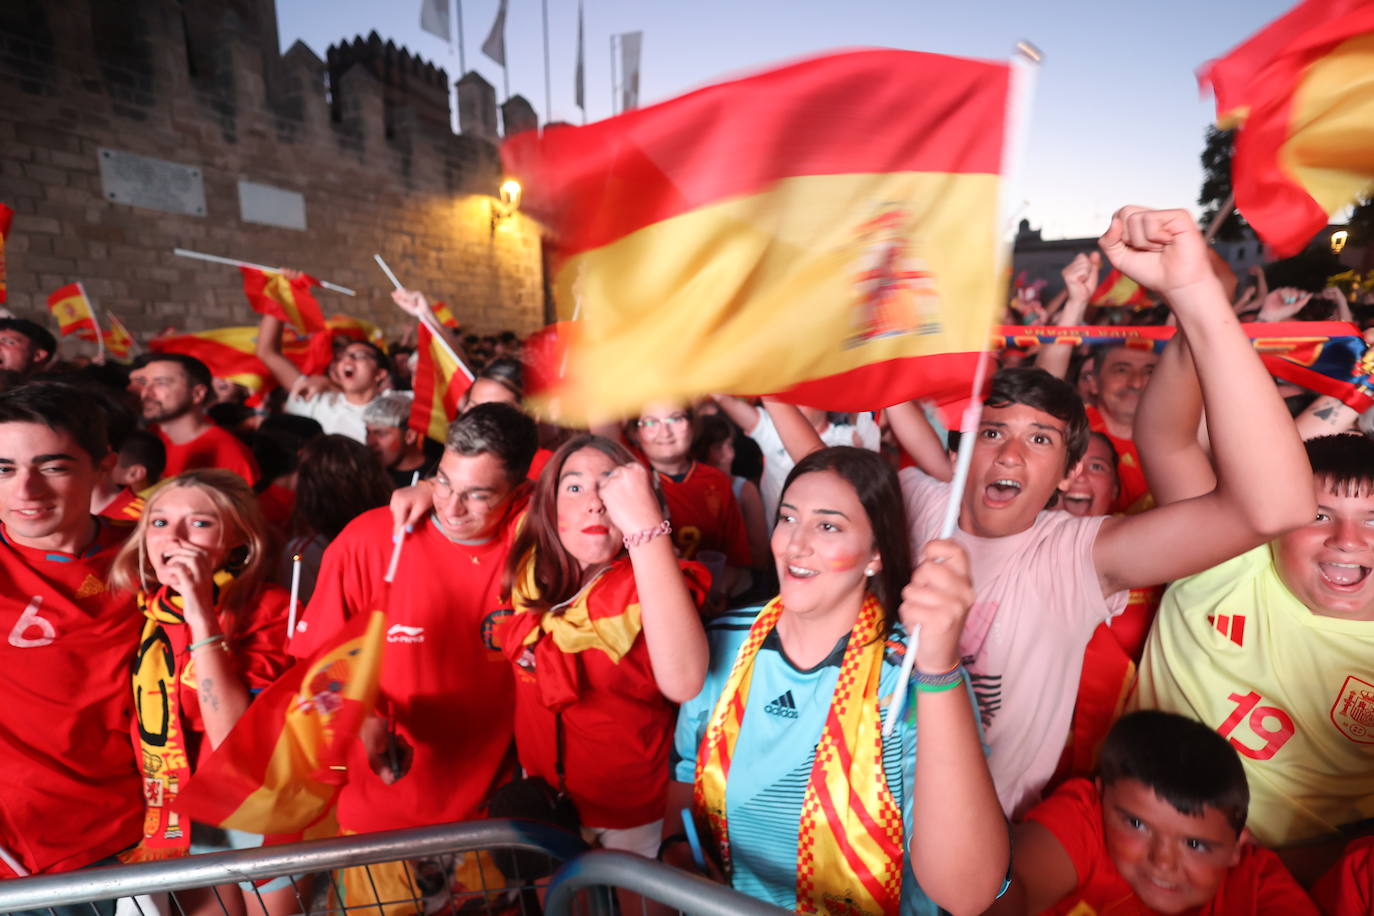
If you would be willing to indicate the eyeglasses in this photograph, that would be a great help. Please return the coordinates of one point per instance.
(676, 421)
(444, 490)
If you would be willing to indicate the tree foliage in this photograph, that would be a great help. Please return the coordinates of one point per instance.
(1217, 150)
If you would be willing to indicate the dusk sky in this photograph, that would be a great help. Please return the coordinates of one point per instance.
(1117, 116)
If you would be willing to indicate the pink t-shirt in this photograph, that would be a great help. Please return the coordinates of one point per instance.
(1037, 602)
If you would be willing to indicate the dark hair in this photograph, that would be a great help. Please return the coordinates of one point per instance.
(557, 575)
(875, 483)
(1098, 354)
(39, 336)
(711, 430)
(1106, 440)
(62, 408)
(507, 372)
(230, 414)
(276, 443)
(197, 373)
(1038, 389)
(498, 429)
(145, 448)
(1184, 762)
(338, 480)
(1344, 464)
(383, 361)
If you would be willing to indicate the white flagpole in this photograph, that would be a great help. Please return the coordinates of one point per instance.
(427, 318)
(462, 55)
(548, 85)
(234, 262)
(1025, 65)
(613, 88)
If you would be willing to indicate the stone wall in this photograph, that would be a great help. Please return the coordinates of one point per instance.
(364, 138)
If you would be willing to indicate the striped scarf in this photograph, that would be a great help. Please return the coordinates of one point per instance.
(850, 838)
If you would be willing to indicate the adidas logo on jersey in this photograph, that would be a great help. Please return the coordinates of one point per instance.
(783, 706)
(1229, 625)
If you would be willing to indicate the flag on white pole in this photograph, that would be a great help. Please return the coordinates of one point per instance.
(495, 45)
(434, 18)
(630, 43)
(580, 76)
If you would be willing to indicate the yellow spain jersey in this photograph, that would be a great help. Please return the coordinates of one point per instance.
(1292, 691)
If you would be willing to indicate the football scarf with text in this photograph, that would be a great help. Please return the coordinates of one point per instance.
(850, 840)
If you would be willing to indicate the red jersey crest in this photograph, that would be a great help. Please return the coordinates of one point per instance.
(1353, 712)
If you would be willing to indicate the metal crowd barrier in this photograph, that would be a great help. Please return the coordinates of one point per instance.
(653, 881)
(136, 883)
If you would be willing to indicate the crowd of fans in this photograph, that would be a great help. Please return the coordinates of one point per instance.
(1143, 680)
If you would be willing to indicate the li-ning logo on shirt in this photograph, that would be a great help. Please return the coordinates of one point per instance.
(1230, 626)
(783, 706)
(399, 632)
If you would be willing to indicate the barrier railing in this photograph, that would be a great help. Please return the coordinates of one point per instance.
(95, 885)
(651, 880)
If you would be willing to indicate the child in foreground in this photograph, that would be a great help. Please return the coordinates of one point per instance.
(1160, 830)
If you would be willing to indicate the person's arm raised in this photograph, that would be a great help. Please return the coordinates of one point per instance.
(673, 634)
(1264, 483)
(744, 414)
(1166, 429)
(269, 351)
(1080, 279)
(798, 436)
(918, 439)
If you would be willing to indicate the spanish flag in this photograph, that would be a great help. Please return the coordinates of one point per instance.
(231, 353)
(6, 218)
(278, 771)
(73, 312)
(445, 316)
(119, 343)
(1117, 289)
(827, 231)
(439, 384)
(1302, 93)
(289, 300)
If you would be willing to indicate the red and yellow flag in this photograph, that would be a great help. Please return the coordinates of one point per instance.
(6, 218)
(280, 768)
(445, 316)
(273, 294)
(73, 312)
(1302, 93)
(827, 231)
(1117, 289)
(439, 384)
(231, 353)
(119, 343)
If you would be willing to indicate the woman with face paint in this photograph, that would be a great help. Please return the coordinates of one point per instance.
(605, 637)
(214, 635)
(797, 796)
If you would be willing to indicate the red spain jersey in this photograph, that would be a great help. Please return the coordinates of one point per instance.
(70, 792)
(705, 515)
(214, 448)
(1128, 470)
(126, 508)
(449, 693)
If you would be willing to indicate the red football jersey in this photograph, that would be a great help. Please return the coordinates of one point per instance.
(214, 448)
(449, 693)
(1128, 470)
(70, 792)
(705, 515)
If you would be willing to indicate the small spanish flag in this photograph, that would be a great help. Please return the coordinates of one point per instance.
(1117, 289)
(445, 316)
(439, 384)
(119, 343)
(273, 294)
(6, 218)
(1301, 92)
(827, 231)
(280, 769)
(73, 312)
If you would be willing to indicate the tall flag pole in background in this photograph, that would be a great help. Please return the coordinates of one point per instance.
(1301, 92)
(6, 219)
(579, 74)
(840, 247)
(495, 45)
(435, 19)
(630, 45)
(548, 86)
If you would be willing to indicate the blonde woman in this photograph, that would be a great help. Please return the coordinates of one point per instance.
(214, 635)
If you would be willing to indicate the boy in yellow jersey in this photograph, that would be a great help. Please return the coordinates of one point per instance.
(1274, 648)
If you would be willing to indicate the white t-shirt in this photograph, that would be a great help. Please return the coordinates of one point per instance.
(1037, 600)
(777, 464)
(334, 412)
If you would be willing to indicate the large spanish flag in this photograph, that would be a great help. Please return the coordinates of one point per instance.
(231, 353)
(439, 384)
(273, 294)
(1302, 93)
(827, 231)
(73, 312)
(279, 769)
(6, 218)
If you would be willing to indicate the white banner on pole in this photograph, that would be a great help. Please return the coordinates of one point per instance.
(630, 44)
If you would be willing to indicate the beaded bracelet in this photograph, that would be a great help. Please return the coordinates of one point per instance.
(640, 538)
(942, 681)
(207, 641)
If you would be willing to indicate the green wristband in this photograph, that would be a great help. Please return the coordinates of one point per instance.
(938, 688)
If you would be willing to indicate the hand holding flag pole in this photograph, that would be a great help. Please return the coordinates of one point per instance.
(234, 262)
(426, 316)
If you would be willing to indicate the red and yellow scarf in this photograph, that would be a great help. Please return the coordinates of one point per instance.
(850, 841)
(161, 662)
